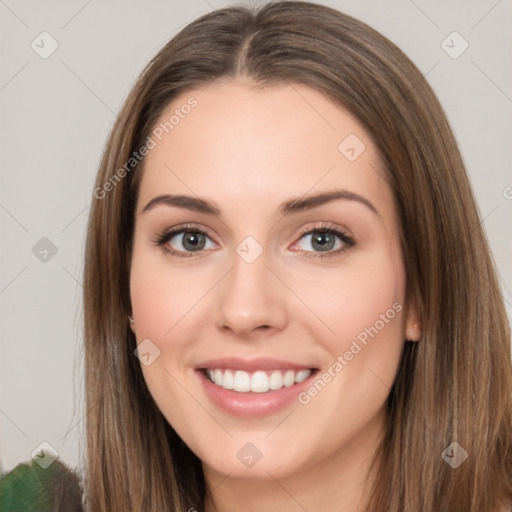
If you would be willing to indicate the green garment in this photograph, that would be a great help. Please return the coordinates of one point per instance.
(30, 488)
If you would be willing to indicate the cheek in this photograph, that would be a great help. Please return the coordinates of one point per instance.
(357, 301)
(167, 301)
(163, 296)
(365, 315)
(162, 300)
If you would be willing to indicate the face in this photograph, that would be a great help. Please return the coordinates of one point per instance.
(267, 259)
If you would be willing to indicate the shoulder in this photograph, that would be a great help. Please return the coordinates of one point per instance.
(29, 487)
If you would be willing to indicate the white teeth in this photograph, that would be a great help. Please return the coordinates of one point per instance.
(217, 377)
(289, 378)
(302, 375)
(228, 380)
(257, 382)
(242, 381)
(276, 380)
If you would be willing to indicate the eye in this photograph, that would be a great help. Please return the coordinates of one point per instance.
(184, 241)
(324, 239)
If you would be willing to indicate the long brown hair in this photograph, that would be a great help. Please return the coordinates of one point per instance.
(454, 385)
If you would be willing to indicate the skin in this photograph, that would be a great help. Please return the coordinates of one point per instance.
(249, 150)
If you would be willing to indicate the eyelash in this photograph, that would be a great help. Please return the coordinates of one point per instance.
(163, 238)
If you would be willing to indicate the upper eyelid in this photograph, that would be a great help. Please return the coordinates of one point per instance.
(186, 227)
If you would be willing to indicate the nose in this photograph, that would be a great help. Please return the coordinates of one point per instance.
(250, 300)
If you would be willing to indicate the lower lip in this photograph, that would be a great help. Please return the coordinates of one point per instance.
(250, 404)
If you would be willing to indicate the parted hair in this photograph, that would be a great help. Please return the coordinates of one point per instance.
(454, 385)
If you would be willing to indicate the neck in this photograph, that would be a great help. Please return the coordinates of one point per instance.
(341, 482)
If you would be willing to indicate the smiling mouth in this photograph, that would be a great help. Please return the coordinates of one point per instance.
(260, 381)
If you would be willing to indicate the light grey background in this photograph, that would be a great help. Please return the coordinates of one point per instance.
(56, 114)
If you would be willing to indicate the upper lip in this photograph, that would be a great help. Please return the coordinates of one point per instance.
(252, 365)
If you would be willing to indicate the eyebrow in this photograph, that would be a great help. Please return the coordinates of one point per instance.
(291, 206)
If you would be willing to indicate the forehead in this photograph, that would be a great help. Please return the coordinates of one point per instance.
(256, 147)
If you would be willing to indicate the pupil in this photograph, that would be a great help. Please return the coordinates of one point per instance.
(324, 240)
(193, 241)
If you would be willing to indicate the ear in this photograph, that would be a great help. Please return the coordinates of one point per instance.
(412, 323)
(132, 323)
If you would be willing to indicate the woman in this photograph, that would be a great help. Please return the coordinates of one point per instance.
(289, 299)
